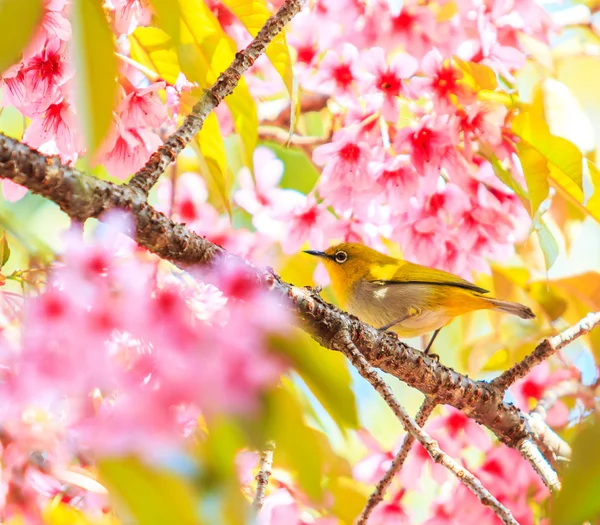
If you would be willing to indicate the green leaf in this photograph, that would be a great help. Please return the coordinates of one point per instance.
(298, 446)
(169, 15)
(578, 500)
(154, 49)
(205, 52)
(506, 177)
(326, 374)
(299, 173)
(95, 70)
(152, 496)
(211, 148)
(4, 250)
(564, 155)
(536, 171)
(548, 243)
(253, 14)
(19, 20)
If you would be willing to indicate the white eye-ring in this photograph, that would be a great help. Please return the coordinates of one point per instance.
(340, 257)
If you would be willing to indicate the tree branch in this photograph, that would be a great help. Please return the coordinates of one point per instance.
(377, 495)
(544, 350)
(82, 196)
(344, 344)
(264, 473)
(145, 178)
(532, 454)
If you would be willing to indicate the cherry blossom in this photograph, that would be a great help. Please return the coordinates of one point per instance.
(385, 83)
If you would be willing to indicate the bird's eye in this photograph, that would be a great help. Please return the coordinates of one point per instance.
(340, 257)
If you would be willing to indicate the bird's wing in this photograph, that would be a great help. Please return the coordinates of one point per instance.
(410, 273)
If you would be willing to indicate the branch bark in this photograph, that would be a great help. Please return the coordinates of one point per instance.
(147, 177)
(264, 473)
(82, 196)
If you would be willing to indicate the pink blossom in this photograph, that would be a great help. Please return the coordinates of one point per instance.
(338, 72)
(459, 431)
(54, 25)
(386, 82)
(443, 81)
(54, 132)
(127, 149)
(143, 108)
(279, 507)
(311, 223)
(390, 512)
(428, 144)
(397, 177)
(11, 191)
(422, 238)
(414, 28)
(533, 386)
(129, 14)
(44, 74)
(345, 159)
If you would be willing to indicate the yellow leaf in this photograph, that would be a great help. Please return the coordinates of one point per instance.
(169, 14)
(95, 70)
(62, 514)
(535, 169)
(211, 148)
(153, 48)
(326, 374)
(206, 51)
(548, 243)
(566, 157)
(152, 496)
(19, 20)
(593, 204)
(253, 14)
(298, 447)
(477, 76)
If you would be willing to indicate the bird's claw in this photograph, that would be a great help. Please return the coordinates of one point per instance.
(433, 356)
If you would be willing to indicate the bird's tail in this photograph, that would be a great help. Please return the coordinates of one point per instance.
(522, 311)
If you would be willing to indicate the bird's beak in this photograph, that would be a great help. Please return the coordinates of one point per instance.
(316, 253)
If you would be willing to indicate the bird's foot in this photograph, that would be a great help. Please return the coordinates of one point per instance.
(433, 356)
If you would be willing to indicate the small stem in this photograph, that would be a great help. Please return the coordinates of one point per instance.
(344, 344)
(544, 350)
(377, 495)
(264, 473)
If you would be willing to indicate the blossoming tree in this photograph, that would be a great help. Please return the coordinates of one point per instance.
(154, 368)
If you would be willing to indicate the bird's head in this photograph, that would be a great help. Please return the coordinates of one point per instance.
(348, 263)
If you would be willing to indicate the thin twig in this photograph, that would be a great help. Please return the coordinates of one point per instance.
(348, 348)
(535, 458)
(281, 136)
(377, 495)
(264, 473)
(544, 350)
(550, 440)
(146, 178)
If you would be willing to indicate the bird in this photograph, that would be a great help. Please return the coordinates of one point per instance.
(410, 299)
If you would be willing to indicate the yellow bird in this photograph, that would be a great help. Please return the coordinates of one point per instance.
(412, 300)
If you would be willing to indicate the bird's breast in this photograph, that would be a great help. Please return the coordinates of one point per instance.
(409, 303)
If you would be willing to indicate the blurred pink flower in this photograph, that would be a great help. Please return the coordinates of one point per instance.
(54, 132)
(126, 150)
(143, 108)
(11, 191)
(310, 223)
(533, 387)
(338, 72)
(129, 14)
